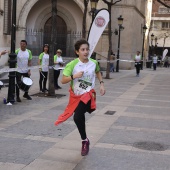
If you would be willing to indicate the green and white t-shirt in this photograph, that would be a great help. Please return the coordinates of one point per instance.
(57, 59)
(22, 60)
(87, 81)
(137, 58)
(44, 61)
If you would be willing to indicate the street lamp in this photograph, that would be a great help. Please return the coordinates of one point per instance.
(144, 31)
(152, 38)
(93, 7)
(156, 39)
(120, 22)
(12, 57)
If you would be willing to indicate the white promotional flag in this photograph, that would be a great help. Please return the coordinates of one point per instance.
(164, 54)
(97, 27)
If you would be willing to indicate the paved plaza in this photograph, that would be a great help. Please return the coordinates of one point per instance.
(135, 135)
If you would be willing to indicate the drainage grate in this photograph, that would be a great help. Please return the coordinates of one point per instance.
(151, 146)
(110, 112)
(141, 83)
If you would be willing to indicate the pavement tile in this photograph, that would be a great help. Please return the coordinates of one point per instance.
(149, 110)
(62, 155)
(122, 147)
(109, 159)
(43, 128)
(68, 144)
(104, 145)
(21, 151)
(152, 103)
(129, 137)
(41, 164)
(142, 123)
(11, 166)
(42, 138)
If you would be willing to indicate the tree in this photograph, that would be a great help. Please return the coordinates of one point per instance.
(109, 4)
(84, 18)
(166, 3)
(51, 91)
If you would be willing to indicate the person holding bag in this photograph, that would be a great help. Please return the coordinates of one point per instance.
(58, 61)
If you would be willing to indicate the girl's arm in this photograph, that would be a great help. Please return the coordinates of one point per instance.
(39, 63)
(102, 89)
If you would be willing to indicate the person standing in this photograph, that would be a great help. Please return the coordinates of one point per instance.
(137, 59)
(44, 62)
(58, 61)
(112, 58)
(155, 60)
(24, 57)
(81, 74)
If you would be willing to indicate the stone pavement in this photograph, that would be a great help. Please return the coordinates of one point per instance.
(135, 137)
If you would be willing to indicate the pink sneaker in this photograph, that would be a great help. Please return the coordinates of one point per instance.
(85, 147)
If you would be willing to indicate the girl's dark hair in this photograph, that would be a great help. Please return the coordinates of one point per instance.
(46, 45)
(79, 43)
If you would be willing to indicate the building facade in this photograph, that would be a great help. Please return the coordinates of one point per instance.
(160, 28)
(34, 24)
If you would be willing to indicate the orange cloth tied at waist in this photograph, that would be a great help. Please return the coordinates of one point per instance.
(73, 103)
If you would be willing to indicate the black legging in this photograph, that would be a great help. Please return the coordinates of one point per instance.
(43, 80)
(56, 76)
(79, 117)
(154, 66)
(138, 66)
(18, 81)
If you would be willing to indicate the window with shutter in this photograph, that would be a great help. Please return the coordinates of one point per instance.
(7, 17)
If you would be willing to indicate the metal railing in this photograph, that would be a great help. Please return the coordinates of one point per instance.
(37, 38)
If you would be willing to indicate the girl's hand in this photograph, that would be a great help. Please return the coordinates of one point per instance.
(102, 90)
(79, 74)
(3, 52)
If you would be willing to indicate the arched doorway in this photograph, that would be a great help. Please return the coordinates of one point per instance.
(61, 34)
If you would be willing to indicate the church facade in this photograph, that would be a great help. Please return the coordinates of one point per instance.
(34, 24)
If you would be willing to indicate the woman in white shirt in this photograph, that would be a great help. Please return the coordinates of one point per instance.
(44, 62)
(58, 61)
(137, 60)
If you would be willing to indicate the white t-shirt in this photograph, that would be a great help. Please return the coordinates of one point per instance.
(22, 60)
(44, 61)
(87, 81)
(138, 58)
(57, 59)
(155, 58)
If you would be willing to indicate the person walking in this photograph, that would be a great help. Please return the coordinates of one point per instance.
(155, 60)
(137, 59)
(44, 62)
(58, 61)
(24, 57)
(81, 74)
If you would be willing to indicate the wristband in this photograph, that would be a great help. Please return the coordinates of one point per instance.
(101, 82)
(72, 77)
